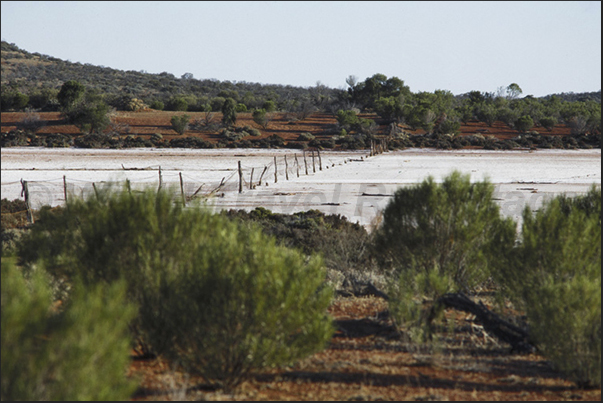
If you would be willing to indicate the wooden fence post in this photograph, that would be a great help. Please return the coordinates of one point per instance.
(305, 162)
(95, 191)
(319, 160)
(297, 165)
(262, 175)
(160, 180)
(286, 169)
(313, 163)
(65, 188)
(182, 190)
(240, 178)
(25, 194)
(251, 179)
(275, 171)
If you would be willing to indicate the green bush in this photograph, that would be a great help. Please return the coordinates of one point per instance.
(242, 304)
(177, 104)
(448, 225)
(261, 117)
(89, 117)
(220, 299)
(157, 105)
(438, 238)
(229, 112)
(524, 123)
(554, 275)
(180, 123)
(80, 353)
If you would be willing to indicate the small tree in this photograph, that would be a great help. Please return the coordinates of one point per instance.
(513, 91)
(548, 122)
(229, 112)
(439, 239)
(177, 104)
(180, 123)
(448, 225)
(261, 117)
(524, 123)
(269, 106)
(70, 94)
(89, 117)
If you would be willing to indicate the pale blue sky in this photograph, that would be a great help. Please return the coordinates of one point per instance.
(545, 47)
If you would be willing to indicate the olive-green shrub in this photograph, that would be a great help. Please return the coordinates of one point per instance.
(219, 298)
(554, 275)
(438, 238)
(78, 353)
(449, 225)
(241, 303)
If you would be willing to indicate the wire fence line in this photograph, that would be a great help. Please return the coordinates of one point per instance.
(185, 185)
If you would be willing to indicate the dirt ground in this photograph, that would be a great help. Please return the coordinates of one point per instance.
(368, 359)
(146, 123)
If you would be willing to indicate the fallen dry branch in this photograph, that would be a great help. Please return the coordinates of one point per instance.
(492, 323)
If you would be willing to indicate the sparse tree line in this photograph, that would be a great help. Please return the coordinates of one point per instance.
(220, 297)
(437, 113)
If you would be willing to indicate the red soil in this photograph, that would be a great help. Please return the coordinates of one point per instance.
(367, 360)
(146, 123)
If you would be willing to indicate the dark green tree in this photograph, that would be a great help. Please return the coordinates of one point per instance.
(89, 117)
(438, 239)
(70, 94)
(229, 112)
(524, 123)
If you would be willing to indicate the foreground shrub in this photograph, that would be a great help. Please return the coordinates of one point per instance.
(220, 299)
(81, 353)
(449, 225)
(555, 276)
(241, 305)
(438, 238)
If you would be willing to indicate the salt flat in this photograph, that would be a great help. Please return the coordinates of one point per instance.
(350, 183)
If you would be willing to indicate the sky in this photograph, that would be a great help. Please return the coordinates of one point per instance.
(545, 47)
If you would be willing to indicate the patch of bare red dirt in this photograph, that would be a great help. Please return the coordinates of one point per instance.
(147, 123)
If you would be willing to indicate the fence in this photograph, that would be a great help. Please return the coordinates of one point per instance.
(186, 185)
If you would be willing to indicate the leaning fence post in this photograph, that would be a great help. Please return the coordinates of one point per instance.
(25, 194)
(182, 190)
(275, 171)
(262, 175)
(95, 191)
(297, 165)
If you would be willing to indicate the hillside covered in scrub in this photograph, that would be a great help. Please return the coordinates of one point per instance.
(50, 102)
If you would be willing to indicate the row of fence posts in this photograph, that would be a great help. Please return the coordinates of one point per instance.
(297, 165)
(377, 147)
